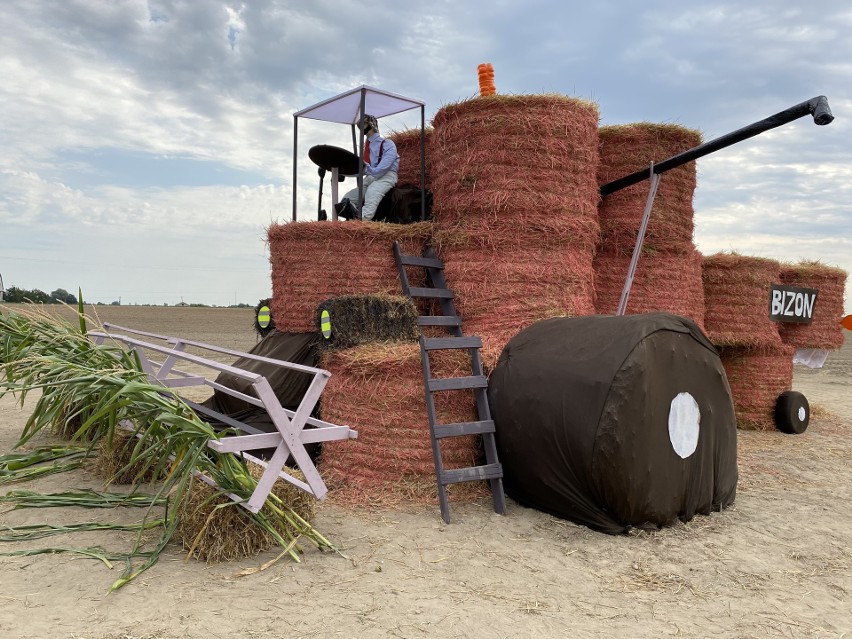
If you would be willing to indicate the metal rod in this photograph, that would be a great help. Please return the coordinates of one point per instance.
(360, 178)
(295, 147)
(640, 239)
(818, 107)
(422, 163)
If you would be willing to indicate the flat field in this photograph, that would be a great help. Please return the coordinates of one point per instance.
(776, 564)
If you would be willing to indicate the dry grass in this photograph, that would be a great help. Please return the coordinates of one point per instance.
(213, 528)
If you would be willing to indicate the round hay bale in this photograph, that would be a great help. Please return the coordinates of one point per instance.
(662, 282)
(736, 300)
(315, 261)
(824, 331)
(214, 534)
(582, 434)
(408, 146)
(627, 148)
(757, 377)
(363, 319)
(498, 291)
(377, 389)
(515, 159)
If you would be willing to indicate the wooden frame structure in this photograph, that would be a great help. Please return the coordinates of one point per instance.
(291, 434)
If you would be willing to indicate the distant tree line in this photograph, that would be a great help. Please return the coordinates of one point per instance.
(20, 295)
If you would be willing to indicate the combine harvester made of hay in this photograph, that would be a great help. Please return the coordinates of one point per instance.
(792, 411)
(293, 429)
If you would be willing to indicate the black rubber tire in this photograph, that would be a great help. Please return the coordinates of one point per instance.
(792, 413)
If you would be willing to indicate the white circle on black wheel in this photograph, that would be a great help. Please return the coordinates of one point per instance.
(802, 413)
(684, 420)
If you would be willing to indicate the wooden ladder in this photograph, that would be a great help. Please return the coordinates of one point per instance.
(492, 471)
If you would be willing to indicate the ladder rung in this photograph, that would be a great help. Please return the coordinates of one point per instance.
(438, 343)
(413, 260)
(464, 428)
(439, 293)
(457, 475)
(458, 383)
(439, 320)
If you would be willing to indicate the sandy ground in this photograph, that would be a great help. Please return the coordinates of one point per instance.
(777, 564)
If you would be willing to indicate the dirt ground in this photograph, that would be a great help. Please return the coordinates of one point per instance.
(776, 564)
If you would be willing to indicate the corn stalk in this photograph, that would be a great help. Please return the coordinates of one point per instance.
(88, 391)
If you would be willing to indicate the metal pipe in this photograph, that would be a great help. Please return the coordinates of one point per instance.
(295, 148)
(422, 163)
(817, 107)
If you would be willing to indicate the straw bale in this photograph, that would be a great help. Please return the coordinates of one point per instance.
(498, 155)
(113, 458)
(757, 377)
(662, 282)
(498, 291)
(736, 300)
(227, 533)
(378, 390)
(824, 331)
(362, 319)
(314, 261)
(408, 146)
(625, 149)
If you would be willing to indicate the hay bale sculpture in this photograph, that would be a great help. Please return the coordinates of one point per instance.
(515, 210)
(408, 146)
(615, 422)
(668, 275)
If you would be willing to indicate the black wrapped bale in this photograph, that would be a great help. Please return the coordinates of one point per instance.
(615, 422)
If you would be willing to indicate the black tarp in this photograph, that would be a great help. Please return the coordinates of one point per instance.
(597, 419)
(289, 385)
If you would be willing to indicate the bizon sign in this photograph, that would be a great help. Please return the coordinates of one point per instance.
(792, 304)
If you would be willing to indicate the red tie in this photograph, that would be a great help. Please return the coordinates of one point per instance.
(367, 153)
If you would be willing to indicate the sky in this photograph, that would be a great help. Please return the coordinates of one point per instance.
(148, 145)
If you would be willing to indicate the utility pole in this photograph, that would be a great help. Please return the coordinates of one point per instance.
(2, 290)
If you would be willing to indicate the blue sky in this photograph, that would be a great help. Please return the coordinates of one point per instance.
(148, 145)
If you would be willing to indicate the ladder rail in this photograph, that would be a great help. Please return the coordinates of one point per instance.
(483, 426)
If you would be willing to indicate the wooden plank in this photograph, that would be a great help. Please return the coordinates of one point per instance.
(475, 473)
(414, 260)
(439, 343)
(434, 293)
(439, 320)
(458, 383)
(464, 428)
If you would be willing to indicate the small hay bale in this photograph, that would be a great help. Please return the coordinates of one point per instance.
(824, 331)
(516, 159)
(363, 319)
(113, 459)
(227, 534)
(662, 282)
(377, 389)
(315, 261)
(736, 300)
(757, 376)
(408, 146)
(625, 149)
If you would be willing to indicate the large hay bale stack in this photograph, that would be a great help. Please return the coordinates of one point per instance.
(663, 282)
(668, 273)
(824, 331)
(377, 389)
(409, 149)
(627, 148)
(515, 210)
(736, 299)
(315, 261)
(757, 377)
